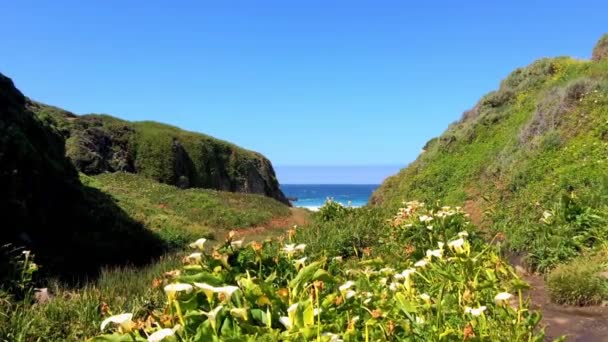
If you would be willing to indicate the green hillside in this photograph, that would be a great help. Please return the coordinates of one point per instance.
(179, 215)
(529, 159)
(101, 143)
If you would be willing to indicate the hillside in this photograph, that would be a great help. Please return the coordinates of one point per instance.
(73, 229)
(180, 216)
(529, 160)
(101, 143)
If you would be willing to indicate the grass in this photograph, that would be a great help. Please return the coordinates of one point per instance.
(181, 215)
(75, 313)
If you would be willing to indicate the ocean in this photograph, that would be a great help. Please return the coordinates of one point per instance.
(313, 196)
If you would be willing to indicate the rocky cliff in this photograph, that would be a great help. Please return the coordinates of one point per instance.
(101, 143)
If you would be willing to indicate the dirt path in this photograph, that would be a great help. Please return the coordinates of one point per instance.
(274, 227)
(588, 323)
(576, 323)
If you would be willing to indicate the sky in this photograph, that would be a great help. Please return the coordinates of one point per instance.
(306, 83)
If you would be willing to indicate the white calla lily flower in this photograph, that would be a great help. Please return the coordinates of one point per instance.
(172, 289)
(346, 286)
(123, 321)
(502, 297)
(200, 243)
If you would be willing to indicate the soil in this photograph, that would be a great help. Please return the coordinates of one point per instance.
(589, 323)
(274, 227)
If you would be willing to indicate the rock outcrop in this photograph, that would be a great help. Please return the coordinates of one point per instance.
(101, 143)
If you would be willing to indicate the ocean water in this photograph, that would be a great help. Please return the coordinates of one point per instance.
(313, 196)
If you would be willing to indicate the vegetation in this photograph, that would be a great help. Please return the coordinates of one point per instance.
(73, 314)
(447, 288)
(579, 282)
(537, 146)
(101, 143)
(178, 215)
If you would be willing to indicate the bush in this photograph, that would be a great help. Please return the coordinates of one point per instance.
(578, 282)
(342, 231)
(554, 106)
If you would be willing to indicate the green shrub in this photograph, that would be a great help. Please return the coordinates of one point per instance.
(342, 231)
(578, 282)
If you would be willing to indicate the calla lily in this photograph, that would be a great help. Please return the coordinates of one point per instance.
(292, 308)
(196, 257)
(227, 291)
(290, 248)
(172, 289)
(350, 294)
(300, 247)
(438, 253)
(420, 263)
(160, 335)
(346, 286)
(425, 218)
(300, 262)
(200, 243)
(123, 321)
(407, 273)
(502, 297)
(393, 286)
(475, 311)
(456, 245)
(286, 322)
(212, 315)
(236, 244)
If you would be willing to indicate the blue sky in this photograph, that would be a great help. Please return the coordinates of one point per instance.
(311, 82)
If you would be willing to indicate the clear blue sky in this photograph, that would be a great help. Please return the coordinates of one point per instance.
(312, 82)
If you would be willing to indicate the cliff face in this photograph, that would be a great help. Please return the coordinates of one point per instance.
(100, 143)
(43, 206)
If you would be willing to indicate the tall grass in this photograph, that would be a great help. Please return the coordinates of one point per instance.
(75, 313)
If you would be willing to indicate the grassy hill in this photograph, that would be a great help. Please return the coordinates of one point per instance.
(180, 216)
(528, 160)
(101, 143)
